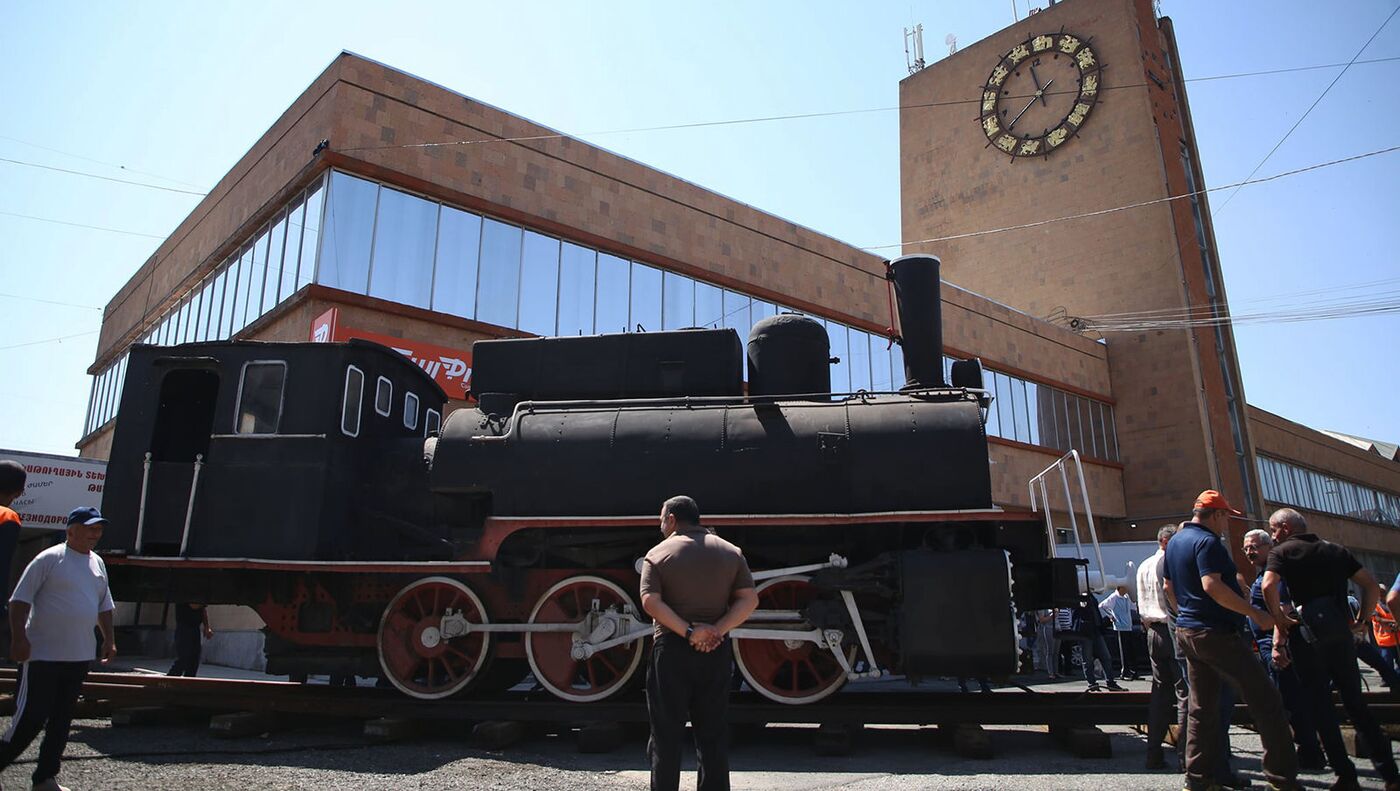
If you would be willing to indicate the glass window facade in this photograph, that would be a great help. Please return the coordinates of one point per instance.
(390, 244)
(1290, 484)
(262, 273)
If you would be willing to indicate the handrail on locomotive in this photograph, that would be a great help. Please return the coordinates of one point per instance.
(1043, 502)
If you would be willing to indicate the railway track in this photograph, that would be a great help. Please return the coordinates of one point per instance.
(890, 706)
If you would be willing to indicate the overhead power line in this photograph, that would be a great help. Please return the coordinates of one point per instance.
(116, 165)
(80, 225)
(837, 113)
(1308, 111)
(59, 339)
(104, 178)
(1138, 205)
(49, 301)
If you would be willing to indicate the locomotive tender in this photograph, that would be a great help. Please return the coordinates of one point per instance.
(313, 483)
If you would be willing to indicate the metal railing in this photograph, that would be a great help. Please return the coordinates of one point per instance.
(1043, 502)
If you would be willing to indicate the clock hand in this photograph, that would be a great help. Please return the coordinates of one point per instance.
(1038, 90)
(1028, 106)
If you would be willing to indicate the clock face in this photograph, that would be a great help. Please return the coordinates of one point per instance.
(1040, 94)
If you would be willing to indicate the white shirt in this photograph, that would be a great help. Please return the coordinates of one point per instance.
(1152, 595)
(1120, 608)
(65, 590)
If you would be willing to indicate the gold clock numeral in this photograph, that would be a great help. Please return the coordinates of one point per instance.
(1006, 143)
(998, 75)
(1042, 43)
(1018, 54)
(989, 101)
(1085, 58)
(991, 126)
(1091, 83)
(1056, 137)
(1029, 147)
(1068, 44)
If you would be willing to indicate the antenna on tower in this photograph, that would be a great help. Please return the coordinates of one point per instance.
(952, 42)
(914, 48)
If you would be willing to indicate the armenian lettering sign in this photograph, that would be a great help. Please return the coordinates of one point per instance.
(450, 368)
(55, 486)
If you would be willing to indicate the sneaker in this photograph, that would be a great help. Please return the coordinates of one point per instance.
(1116, 687)
(1094, 688)
(50, 784)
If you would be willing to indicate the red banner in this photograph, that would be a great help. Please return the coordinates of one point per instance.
(450, 368)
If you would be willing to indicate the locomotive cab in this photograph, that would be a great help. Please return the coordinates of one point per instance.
(260, 450)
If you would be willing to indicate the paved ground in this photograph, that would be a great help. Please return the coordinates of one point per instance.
(336, 756)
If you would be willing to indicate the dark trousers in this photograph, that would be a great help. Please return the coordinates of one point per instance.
(1214, 656)
(682, 684)
(1371, 655)
(187, 651)
(1296, 700)
(45, 698)
(1168, 701)
(1091, 648)
(1316, 665)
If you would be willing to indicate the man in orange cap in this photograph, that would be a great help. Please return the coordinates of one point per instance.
(1200, 575)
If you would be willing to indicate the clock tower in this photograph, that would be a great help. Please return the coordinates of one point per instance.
(1018, 156)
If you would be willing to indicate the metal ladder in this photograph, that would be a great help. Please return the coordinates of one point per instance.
(1042, 504)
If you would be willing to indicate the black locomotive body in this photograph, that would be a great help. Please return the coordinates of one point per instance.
(371, 542)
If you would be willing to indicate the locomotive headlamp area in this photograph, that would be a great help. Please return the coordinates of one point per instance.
(291, 478)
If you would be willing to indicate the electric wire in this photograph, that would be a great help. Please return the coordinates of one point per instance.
(116, 165)
(103, 178)
(1126, 207)
(1305, 114)
(59, 339)
(838, 113)
(1291, 296)
(80, 225)
(24, 298)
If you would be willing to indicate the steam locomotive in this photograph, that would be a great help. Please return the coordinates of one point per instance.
(317, 484)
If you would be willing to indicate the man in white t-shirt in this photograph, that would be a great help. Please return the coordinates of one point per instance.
(61, 596)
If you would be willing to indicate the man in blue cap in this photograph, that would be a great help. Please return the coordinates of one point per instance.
(62, 594)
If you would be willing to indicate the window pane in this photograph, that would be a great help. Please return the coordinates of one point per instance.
(240, 307)
(287, 277)
(539, 284)
(201, 320)
(410, 411)
(431, 422)
(736, 312)
(182, 322)
(646, 298)
(994, 428)
(383, 396)
(233, 295)
(709, 305)
(881, 372)
(1076, 435)
(841, 371)
(761, 310)
(614, 284)
(454, 280)
(498, 292)
(860, 360)
(216, 305)
(310, 235)
(191, 318)
(350, 401)
(344, 259)
(254, 307)
(276, 242)
(404, 234)
(577, 270)
(678, 292)
(260, 400)
(1110, 431)
(1033, 413)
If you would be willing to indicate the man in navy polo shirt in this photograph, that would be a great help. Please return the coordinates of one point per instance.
(1200, 575)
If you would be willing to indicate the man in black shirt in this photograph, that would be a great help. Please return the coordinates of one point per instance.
(1317, 572)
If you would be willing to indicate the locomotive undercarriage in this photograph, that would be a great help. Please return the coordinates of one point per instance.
(559, 603)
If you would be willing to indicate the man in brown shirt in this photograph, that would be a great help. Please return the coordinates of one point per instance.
(697, 587)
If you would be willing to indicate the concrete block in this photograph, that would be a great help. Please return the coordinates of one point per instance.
(240, 724)
(392, 729)
(1085, 741)
(836, 738)
(498, 734)
(967, 740)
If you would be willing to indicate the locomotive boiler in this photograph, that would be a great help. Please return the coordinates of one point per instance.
(317, 484)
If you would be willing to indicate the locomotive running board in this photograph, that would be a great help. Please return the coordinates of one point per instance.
(758, 520)
(322, 566)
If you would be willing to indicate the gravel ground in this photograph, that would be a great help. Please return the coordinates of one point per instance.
(336, 756)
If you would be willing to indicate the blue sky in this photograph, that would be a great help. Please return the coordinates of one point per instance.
(177, 92)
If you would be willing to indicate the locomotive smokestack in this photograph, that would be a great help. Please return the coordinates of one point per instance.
(916, 287)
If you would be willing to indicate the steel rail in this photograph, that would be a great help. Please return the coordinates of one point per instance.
(893, 706)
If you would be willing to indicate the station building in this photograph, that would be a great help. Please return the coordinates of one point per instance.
(339, 222)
